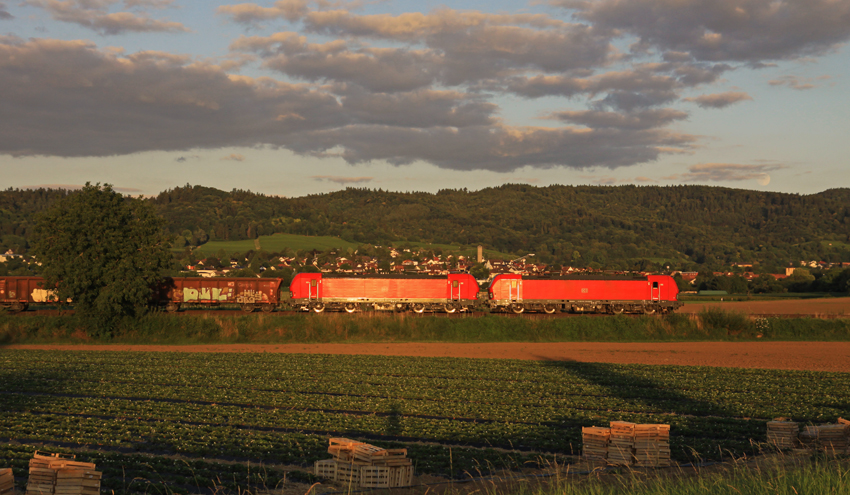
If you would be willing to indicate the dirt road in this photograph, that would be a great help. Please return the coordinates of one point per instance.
(814, 356)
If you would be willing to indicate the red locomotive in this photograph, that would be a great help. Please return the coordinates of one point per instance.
(600, 294)
(317, 292)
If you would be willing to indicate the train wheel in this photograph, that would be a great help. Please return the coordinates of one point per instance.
(617, 309)
(549, 309)
(517, 308)
(248, 308)
(318, 307)
(268, 308)
(172, 307)
(450, 308)
(419, 308)
(17, 307)
(648, 310)
(350, 307)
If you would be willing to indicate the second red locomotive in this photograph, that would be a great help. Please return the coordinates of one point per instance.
(582, 294)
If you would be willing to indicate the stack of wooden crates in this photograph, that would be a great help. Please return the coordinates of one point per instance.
(7, 481)
(365, 465)
(57, 474)
(627, 444)
(830, 438)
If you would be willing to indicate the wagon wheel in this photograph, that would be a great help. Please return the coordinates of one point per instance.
(419, 308)
(248, 308)
(172, 307)
(450, 308)
(268, 308)
(517, 308)
(548, 309)
(17, 307)
(350, 307)
(318, 307)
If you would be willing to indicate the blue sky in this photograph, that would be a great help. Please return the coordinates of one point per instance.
(296, 97)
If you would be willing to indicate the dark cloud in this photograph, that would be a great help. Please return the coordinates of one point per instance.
(341, 180)
(719, 100)
(727, 172)
(95, 15)
(645, 119)
(751, 31)
(4, 14)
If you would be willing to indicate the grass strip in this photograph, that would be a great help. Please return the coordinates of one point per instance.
(709, 325)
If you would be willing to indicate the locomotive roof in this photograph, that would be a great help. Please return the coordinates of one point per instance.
(388, 276)
(589, 277)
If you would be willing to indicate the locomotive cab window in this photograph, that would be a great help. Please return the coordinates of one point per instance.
(654, 285)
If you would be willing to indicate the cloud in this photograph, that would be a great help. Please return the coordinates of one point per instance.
(251, 13)
(797, 83)
(182, 159)
(727, 172)
(719, 100)
(341, 180)
(95, 15)
(236, 157)
(4, 14)
(750, 31)
(645, 119)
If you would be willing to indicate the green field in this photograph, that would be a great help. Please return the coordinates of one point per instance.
(453, 415)
(275, 243)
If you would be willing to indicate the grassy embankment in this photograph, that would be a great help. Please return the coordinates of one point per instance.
(708, 325)
(774, 476)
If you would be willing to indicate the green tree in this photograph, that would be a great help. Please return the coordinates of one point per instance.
(480, 271)
(102, 250)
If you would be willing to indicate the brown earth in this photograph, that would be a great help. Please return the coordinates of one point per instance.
(813, 356)
(825, 306)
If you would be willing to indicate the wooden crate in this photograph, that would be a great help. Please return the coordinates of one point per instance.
(401, 476)
(326, 468)
(348, 472)
(365, 452)
(7, 481)
(375, 477)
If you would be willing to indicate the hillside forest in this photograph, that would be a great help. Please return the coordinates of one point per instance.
(694, 228)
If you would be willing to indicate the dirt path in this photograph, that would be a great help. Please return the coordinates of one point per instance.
(825, 306)
(814, 356)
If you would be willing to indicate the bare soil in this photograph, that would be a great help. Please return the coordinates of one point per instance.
(812, 356)
(814, 307)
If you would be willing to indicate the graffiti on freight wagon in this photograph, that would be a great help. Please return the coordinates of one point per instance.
(43, 296)
(251, 297)
(207, 294)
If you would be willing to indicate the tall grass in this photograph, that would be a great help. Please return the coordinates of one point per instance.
(710, 325)
(776, 476)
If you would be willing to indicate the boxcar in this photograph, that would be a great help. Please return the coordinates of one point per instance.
(17, 293)
(249, 293)
(580, 294)
(317, 292)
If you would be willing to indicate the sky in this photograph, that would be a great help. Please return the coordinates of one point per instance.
(297, 97)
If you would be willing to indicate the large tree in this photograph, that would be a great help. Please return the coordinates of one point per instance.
(102, 250)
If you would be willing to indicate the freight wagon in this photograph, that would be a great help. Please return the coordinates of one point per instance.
(582, 294)
(318, 292)
(249, 293)
(17, 293)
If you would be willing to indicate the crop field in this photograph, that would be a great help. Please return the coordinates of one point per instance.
(128, 410)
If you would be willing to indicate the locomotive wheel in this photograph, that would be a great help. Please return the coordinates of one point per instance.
(517, 308)
(419, 308)
(268, 308)
(248, 308)
(172, 307)
(350, 307)
(617, 309)
(548, 309)
(648, 310)
(449, 308)
(318, 307)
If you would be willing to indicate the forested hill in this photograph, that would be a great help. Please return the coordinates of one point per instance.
(580, 224)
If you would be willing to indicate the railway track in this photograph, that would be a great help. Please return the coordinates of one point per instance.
(475, 314)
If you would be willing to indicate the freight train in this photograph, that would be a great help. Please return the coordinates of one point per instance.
(455, 292)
